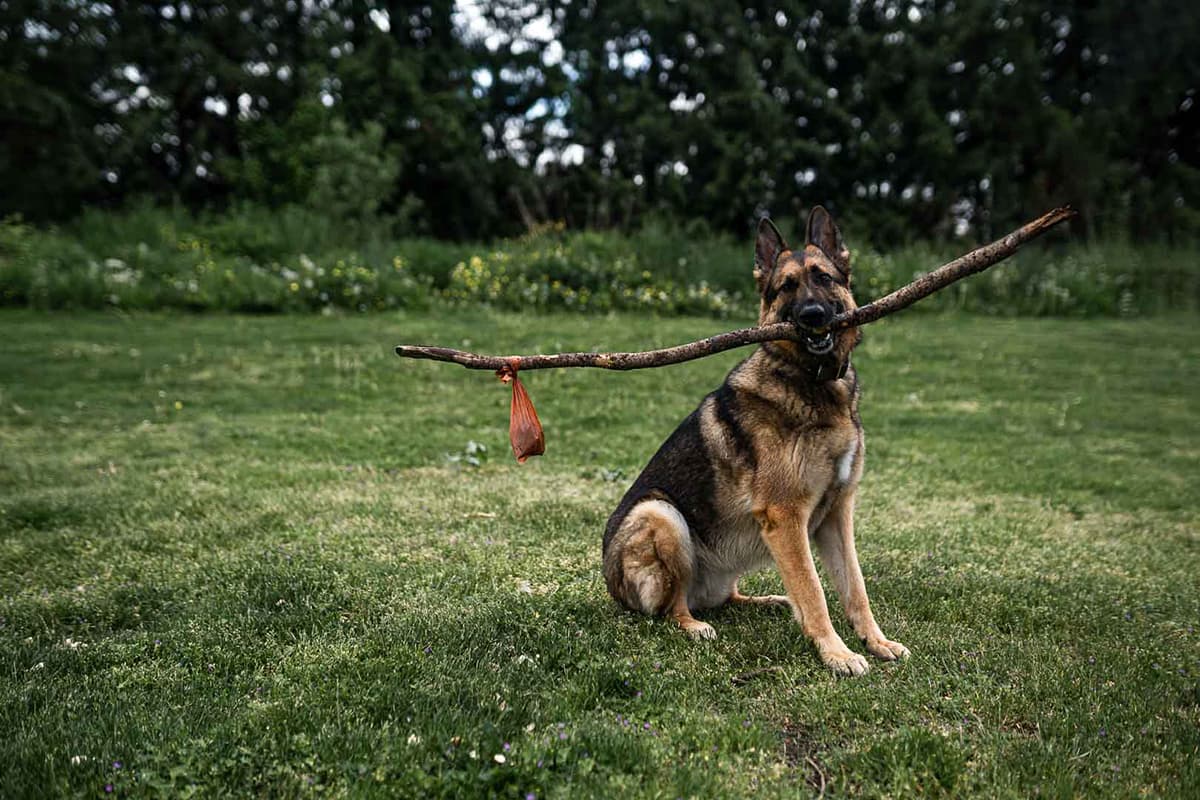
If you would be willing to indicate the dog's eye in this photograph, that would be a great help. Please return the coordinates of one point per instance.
(789, 285)
(823, 278)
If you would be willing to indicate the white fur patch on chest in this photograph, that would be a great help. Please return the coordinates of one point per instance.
(845, 464)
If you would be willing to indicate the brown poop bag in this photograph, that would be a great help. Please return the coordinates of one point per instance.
(524, 428)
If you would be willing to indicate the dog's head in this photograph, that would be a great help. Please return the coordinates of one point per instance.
(806, 287)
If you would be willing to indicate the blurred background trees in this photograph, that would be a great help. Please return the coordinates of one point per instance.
(471, 120)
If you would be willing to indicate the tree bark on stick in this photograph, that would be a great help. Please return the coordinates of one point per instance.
(969, 264)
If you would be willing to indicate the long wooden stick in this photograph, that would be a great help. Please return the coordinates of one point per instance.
(974, 261)
(969, 264)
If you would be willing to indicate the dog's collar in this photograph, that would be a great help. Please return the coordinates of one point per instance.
(824, 373)
(820, 372)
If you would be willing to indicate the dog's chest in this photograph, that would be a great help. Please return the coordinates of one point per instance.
(847, 462)
(818, 459)
(825, 469)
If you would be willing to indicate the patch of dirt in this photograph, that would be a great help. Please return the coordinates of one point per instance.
(801, 752)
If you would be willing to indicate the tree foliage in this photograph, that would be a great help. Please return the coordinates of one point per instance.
(469, 120)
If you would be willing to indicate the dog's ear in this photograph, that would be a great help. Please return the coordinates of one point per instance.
(824, 233)
(767, 247)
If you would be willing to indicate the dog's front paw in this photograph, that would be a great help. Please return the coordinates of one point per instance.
(845, 662)
(886, 649)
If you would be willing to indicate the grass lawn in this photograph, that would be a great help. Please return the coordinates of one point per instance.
(236, 560)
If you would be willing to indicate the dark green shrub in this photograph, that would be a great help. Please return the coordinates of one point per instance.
(294, 259)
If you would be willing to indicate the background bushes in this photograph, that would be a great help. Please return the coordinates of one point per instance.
(293, 259)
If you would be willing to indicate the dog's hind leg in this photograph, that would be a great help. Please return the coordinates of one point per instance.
(683, 616)
(758, 600)
(650, 563)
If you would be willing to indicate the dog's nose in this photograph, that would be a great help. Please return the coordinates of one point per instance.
(813, 315)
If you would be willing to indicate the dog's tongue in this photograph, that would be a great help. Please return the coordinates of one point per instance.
(524, 427)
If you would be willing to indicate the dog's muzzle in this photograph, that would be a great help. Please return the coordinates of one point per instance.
(814, 315)
(819, 344)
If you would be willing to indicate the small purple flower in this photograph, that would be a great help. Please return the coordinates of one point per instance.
(639, 694)
(108, 788)
(116, 765)
(746, 723)
(562, 737)
(507, 747)
(539, 763)
(530, 796)
(646, 726)
(1103, 733)
(428, 650)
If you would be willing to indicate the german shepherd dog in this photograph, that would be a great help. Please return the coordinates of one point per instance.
(768, 461)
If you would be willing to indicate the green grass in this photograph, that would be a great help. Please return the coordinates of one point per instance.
(235, 558)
